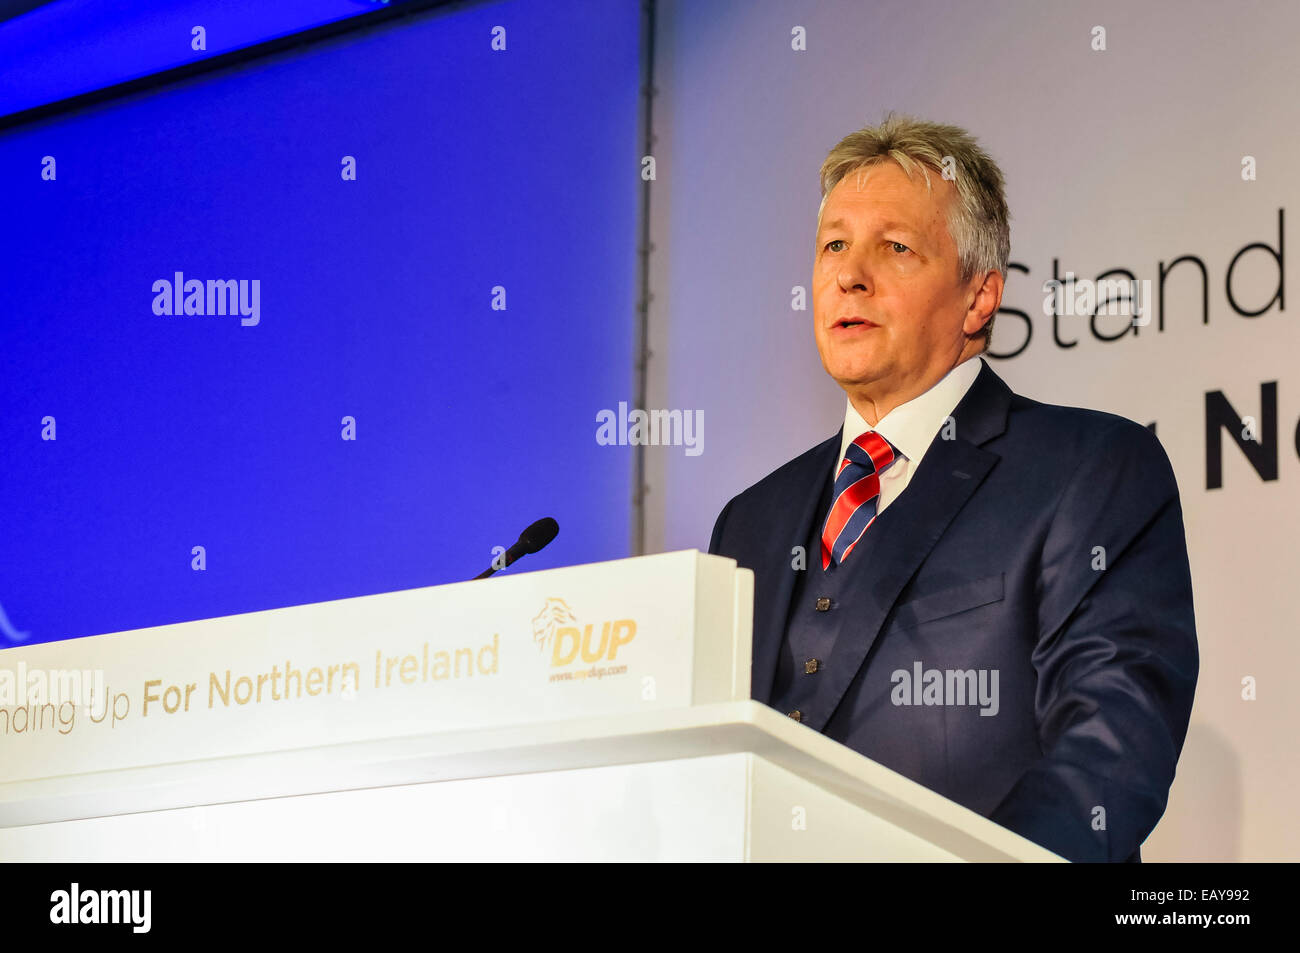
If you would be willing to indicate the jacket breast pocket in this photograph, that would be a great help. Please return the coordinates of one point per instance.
(950, 601)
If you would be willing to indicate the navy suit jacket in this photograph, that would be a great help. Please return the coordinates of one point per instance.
(1043, 542)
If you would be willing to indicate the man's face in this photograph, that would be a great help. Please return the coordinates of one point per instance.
(885, 257)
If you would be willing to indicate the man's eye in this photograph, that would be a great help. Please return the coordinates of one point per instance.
(834, 241)
(899, 247)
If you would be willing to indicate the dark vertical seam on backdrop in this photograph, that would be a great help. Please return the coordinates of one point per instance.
(641, 357)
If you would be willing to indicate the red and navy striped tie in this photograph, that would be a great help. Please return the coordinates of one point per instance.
(857, 493)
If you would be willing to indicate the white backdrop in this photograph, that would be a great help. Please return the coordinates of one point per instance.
(1124, 158)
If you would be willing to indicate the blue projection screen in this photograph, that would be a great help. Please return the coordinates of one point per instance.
(410, 364)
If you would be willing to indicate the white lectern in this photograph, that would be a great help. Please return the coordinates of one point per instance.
(597, 712)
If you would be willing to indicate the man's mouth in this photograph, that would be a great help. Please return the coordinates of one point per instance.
(849, 323)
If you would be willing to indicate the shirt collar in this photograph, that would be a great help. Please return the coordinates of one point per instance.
(912, 425)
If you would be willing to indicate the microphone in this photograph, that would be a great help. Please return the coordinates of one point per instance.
(530, 541)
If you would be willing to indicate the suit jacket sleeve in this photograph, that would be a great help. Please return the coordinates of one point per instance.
(1116, 655)
(716, 541)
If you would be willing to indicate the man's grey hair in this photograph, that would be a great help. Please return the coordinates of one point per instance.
(978, 220)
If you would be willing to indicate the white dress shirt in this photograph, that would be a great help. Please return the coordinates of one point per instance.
(911, 427)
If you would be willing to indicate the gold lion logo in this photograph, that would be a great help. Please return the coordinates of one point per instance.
(554, 614)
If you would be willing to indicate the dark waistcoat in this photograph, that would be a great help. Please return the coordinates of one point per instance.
(817, 616)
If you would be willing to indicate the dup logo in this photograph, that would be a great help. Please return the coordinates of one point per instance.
(557, 632)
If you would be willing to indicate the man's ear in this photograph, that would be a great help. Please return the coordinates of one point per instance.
(984, 303)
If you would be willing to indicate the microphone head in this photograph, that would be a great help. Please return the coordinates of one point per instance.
(538, 535)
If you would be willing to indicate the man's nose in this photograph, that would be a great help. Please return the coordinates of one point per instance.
(855, 275)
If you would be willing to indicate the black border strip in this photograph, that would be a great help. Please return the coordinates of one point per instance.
(370, 20)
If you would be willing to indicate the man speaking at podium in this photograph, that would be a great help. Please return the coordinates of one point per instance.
(987, 594)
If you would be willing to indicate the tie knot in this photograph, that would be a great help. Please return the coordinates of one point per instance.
(870, 451)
